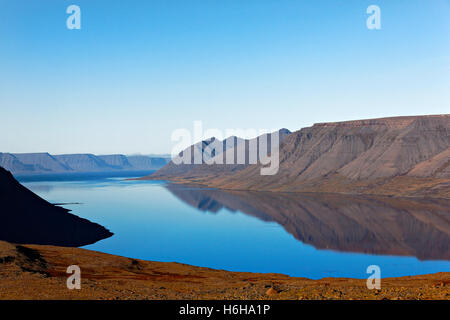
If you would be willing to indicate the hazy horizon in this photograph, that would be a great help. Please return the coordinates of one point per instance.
(133, 74)
(169, 154)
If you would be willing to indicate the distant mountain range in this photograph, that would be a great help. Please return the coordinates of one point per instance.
(27, 218)
(45, 163)
(401, 156)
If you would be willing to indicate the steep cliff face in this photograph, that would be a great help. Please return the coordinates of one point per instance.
(400, 147)
(83, 162)
(11, 162)
(41, 161)
(396, 156)
(116, 161)
(27, 218)
(367, 149)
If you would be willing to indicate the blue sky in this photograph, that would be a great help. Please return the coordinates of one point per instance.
(137, 70)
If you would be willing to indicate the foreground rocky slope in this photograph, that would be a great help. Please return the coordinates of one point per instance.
(27, 218)
(39, 272)
(402, 156)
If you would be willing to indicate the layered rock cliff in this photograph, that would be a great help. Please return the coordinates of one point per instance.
(405, 156)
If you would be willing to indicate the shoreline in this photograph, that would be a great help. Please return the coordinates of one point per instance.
(203, 185)
(39, 272)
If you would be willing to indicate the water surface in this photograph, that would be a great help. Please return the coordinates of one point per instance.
(312, 236)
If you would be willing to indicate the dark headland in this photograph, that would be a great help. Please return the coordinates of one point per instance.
(27, 218)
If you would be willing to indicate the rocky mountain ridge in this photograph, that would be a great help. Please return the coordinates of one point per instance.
(402, 156)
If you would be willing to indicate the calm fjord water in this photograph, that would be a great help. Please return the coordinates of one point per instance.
(300, 235)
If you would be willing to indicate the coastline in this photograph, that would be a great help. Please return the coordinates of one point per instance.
(39, 272)
(400, 189)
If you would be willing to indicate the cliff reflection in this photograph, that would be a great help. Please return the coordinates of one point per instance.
(374, 225)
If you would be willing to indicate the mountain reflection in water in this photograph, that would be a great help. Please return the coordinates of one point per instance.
(363, 224)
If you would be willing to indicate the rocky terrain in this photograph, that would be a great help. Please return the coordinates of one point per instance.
(27, 218)
(45, 163)
(39, 272)
(400, 156)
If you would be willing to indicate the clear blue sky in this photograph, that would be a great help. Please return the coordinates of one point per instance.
(137, 70)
